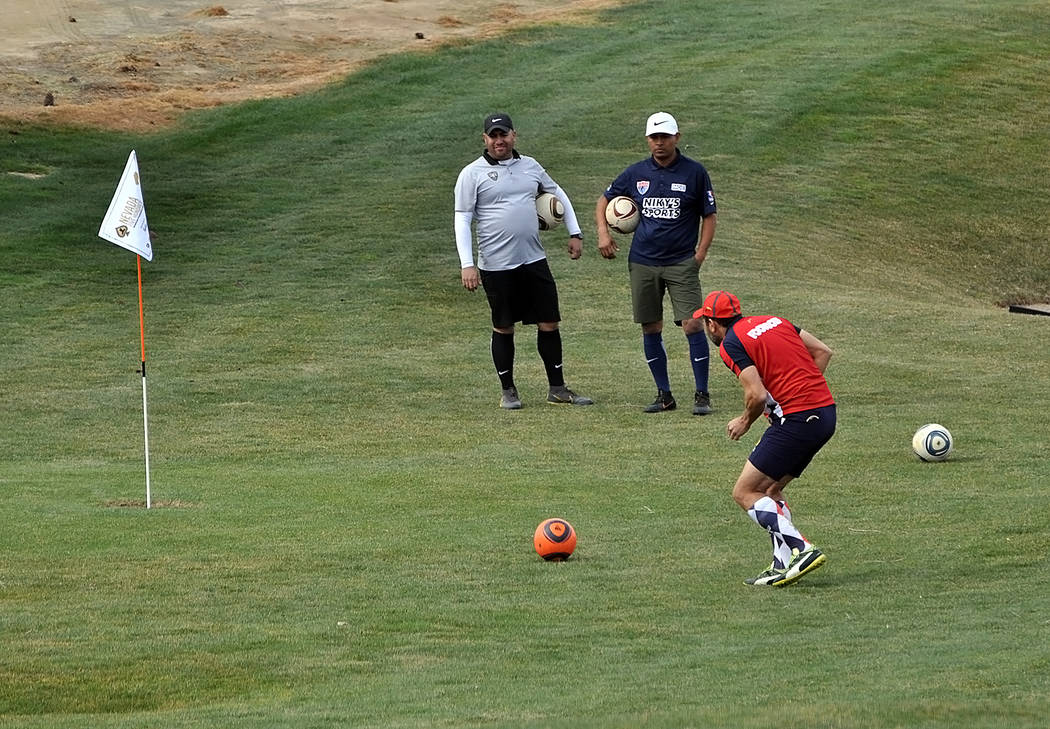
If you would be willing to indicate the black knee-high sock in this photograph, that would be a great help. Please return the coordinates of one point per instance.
(549, 346)
(503, 358)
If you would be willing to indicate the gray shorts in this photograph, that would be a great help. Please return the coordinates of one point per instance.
(650, 283)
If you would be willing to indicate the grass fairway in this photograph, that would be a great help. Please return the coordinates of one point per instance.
(345, 520)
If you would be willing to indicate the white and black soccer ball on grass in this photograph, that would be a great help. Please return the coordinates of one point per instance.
(932, 442)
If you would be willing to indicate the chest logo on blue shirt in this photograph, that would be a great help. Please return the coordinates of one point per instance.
(677, 187)
(642, 186)
(493, 176)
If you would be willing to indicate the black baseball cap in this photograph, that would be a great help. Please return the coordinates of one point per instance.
(498, 120)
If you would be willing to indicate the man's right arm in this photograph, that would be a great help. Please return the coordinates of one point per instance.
(606, 244)
(463, 217)
(465, 245)
(755, 399)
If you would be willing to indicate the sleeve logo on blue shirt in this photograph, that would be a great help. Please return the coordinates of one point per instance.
(642, 186)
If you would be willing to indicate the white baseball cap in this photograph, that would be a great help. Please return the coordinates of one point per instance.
(661, 123)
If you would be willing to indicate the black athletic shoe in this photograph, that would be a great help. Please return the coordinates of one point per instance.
(663, 402)
(564, 396)
(702, 404)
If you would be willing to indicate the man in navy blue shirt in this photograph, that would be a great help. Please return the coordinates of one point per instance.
(678, 217)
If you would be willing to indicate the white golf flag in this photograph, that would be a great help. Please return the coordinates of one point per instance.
(125, 221)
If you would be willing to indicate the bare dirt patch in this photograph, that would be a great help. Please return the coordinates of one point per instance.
(141, 504)
(136, 64)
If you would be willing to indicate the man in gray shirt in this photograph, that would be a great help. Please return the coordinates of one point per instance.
(496, 195)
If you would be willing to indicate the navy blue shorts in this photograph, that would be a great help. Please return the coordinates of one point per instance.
(527, 294)
(789, 445)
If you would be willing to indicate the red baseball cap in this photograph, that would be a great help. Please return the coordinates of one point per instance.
(719, 305)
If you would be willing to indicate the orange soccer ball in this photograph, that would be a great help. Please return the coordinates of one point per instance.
(555, 540)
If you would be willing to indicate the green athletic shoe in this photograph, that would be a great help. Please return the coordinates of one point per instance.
(802, 563)
(770, 576)
(564, 396)
(509, 400)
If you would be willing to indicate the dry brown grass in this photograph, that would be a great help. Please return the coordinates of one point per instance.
(144, 82)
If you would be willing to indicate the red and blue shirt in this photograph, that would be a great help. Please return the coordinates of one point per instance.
(773, 345)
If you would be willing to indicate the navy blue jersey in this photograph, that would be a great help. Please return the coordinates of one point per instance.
(673, 200)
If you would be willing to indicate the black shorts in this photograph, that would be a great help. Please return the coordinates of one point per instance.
(788, 445)
(527, 294)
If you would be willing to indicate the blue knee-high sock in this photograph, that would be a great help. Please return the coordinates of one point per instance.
(700, 356)
(656, 358)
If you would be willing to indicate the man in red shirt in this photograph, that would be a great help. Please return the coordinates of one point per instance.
(781, 368)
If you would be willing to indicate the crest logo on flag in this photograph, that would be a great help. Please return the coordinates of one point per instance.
(642, 186)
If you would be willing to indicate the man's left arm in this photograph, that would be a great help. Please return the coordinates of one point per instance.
(820, 352)
(707, 234)
(572, 224)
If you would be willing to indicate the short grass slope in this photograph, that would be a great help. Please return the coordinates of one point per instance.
(344, 518)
